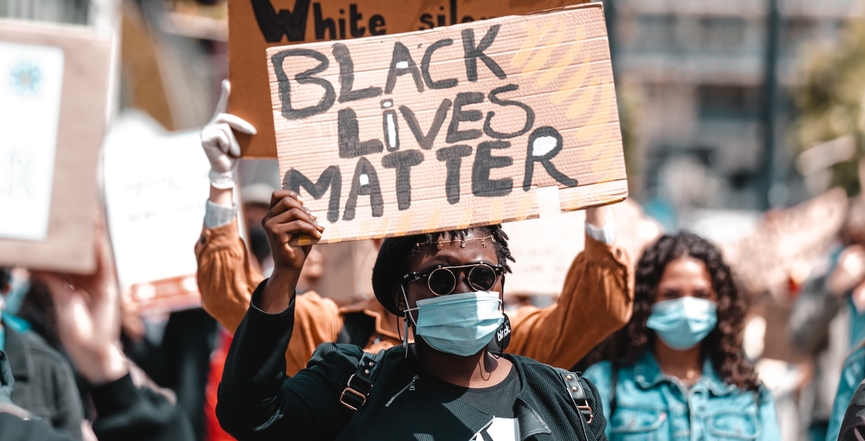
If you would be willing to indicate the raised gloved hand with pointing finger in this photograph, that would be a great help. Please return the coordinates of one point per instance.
(219, 143)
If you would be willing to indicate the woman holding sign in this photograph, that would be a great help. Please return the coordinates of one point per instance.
(595, 300)
(678, 369)
(453, 383)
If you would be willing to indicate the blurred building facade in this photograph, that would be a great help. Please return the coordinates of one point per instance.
(698, 68)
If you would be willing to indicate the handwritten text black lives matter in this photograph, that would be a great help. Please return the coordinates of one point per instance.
(464, 125)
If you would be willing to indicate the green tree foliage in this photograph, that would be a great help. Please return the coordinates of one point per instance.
(830, 99)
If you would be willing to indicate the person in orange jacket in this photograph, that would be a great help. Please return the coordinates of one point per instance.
(595, 301)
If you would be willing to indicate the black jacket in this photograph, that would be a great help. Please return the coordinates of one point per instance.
(258, 402)
(125, 413)
(44, 384)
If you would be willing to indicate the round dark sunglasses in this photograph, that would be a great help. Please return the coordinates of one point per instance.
(442, 279)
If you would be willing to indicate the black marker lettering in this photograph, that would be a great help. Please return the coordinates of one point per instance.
(425, 63)
(350, 145)
(341, 27)
(403, 162)
(530, 114)
(426, 141)
(346, 77)
(427, 20)
(472, 53)
(355, 17)
(453, 11)
(323, 24)
(402, 63)
(453, 158)
(544, 144)
(482, 185)
(460, 115)
(330, 177)
(274, 25)
(306, 77)
(390, 126)
(376, 23)
(364, 182)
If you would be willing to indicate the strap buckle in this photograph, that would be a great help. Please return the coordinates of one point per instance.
(353, 396)
(587, 412)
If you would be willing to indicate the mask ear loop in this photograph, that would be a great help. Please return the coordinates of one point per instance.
(405, 318)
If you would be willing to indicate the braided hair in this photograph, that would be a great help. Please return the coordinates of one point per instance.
(723, 345)
(396, 253)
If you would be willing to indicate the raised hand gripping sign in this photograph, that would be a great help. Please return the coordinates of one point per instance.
(450, 128)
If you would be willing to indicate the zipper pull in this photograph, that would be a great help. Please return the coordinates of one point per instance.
(411, 385)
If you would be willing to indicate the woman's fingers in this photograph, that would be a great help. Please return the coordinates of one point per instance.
(289, 229)
(279, 195)
(283, 222)
(288, 216)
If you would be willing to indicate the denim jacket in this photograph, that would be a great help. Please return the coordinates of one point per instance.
(653, 406)
(851, 376)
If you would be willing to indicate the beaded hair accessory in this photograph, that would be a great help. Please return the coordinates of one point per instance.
(462, 242)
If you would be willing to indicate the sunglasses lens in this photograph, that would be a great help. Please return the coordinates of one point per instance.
(482, 277)
(442, 281)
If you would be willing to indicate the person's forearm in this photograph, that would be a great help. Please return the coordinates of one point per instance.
(597, 216)
(222, 196)
(100, 368)
(279, 291)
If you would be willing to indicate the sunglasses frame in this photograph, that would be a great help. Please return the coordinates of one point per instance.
(498, 271)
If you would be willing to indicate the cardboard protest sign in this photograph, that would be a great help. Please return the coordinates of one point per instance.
(450, 128)
(53, 97)
(155, 208)
(542, 260)
(255, 25)
(786, 242)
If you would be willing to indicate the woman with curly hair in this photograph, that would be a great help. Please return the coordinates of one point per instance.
(677, 370)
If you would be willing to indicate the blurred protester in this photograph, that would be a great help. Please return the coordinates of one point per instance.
(88, 325)
(852, 375)
(453, 383)
(45, 384)
(852, 427)
(595, 301)
(181, 361)
(828, 321)
(678, 370)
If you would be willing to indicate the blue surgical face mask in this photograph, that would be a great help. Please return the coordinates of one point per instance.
(684, 322)
(459, 324)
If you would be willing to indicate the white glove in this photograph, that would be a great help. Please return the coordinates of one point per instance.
(219, 143)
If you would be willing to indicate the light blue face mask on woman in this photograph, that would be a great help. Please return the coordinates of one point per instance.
(459, 324)
(684, 322)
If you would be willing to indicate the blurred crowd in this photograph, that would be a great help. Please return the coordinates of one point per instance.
(669, 335)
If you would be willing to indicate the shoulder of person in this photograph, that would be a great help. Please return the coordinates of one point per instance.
(348, 355)
(600, 371)
(39, 348)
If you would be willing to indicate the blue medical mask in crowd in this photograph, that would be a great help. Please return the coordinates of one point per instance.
(684, 322)
(459, 324)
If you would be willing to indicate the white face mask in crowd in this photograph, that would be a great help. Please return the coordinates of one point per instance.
(684, 322)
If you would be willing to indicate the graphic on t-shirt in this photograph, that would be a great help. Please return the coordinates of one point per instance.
(502, 429)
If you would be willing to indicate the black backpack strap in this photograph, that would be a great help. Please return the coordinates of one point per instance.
(361, 382)
(577, 389)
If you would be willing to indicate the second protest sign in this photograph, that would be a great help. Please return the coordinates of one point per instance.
(450, 128)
